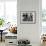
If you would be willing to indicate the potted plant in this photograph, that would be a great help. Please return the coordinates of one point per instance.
(1, 22)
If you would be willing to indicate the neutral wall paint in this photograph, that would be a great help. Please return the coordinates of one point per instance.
(30, 31)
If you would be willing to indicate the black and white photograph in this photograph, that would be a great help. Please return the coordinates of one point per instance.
(27, 17)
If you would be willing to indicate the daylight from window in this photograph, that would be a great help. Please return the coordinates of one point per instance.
(8, 11)
(44, 16)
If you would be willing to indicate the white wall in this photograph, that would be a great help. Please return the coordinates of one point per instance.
(30, 31)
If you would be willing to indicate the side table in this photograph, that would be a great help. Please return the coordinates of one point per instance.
(1, 34)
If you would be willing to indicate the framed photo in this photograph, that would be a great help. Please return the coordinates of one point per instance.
(27, 17)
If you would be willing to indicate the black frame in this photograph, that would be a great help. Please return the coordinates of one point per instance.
(28, 12)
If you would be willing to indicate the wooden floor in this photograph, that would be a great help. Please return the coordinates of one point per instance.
(2, 43)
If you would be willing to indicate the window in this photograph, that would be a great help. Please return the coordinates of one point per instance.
(44, 16)
(1, 9)
(11, 11)
(44, 12)
(8, 10)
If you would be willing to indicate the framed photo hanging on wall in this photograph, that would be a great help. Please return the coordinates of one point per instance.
(27, 17)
